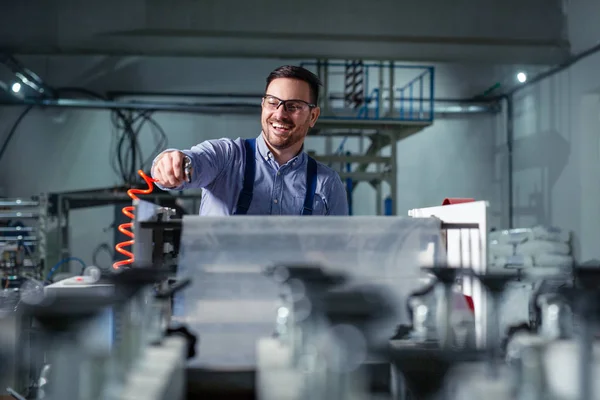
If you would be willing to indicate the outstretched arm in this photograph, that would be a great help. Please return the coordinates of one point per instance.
(208, 159)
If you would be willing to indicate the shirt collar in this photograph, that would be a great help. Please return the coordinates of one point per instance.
(266, 153)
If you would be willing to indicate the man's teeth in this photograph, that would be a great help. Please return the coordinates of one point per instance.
(279, 126)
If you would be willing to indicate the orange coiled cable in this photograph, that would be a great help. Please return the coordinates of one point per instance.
(126, 228)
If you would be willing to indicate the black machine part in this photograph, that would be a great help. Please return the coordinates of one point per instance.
(174, 287)
(183, 331)
(313, 276)
(179, 330)
(424, 368)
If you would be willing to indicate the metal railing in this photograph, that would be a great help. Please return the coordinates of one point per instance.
(392, 92)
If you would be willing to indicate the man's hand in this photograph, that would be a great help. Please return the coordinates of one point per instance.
(168, 170)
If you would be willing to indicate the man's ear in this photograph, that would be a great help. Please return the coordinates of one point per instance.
(314, 116)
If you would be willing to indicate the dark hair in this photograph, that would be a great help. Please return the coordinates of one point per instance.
(294, 72)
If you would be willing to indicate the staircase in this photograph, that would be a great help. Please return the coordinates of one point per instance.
(377, 102)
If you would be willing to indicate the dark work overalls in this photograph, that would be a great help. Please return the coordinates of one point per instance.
(243, 203)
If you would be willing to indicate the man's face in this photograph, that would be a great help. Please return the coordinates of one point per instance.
(284, 127)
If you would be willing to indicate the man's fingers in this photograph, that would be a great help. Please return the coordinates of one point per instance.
(159, 174)
(168, 170)
(156, 172)
(164, 174)
(177, 164)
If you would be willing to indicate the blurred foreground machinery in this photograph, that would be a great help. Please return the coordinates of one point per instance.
(98, 335)
(295, 308)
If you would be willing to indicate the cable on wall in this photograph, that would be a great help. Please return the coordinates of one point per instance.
(126, 156)
(12, 131)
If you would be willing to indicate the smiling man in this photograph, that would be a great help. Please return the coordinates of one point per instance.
(270, 174)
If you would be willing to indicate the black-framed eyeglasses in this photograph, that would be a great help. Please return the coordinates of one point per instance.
(291, 106)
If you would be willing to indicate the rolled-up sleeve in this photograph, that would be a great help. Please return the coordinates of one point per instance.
(337, 198)
(209, 159)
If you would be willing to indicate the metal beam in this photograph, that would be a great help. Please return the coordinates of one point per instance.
(548, 53)
(237, 108)
(365, 176)
(394, 175)
(398, 125)
(352, 159)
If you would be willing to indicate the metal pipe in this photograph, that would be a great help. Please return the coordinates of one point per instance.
(561, 67)
(26, 76)
(394, 172)
(509, 147)
(331, 96)
(214, 108)
(122, 93)
(369, 64)
(225, 108)
(392, 90)
(378, 112)
(17, 229)
(19, 203)
(465, 109)
(18, 238)
(18, 214)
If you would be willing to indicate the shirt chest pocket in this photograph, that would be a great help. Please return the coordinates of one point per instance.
(318, 205)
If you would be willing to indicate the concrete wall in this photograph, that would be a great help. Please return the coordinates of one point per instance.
(556, 155)
(557, 143)
(71, 148)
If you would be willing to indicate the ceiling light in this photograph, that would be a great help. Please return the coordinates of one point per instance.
(16, 87)
(522, 77)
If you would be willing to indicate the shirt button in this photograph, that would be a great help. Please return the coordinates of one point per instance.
(275, 201)
(278, 172)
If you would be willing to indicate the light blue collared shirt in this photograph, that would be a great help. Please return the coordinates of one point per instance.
(218, 168)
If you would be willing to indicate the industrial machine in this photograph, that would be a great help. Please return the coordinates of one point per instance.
(22, 257)
(106, 337)
(295, 308)
(100, 334)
